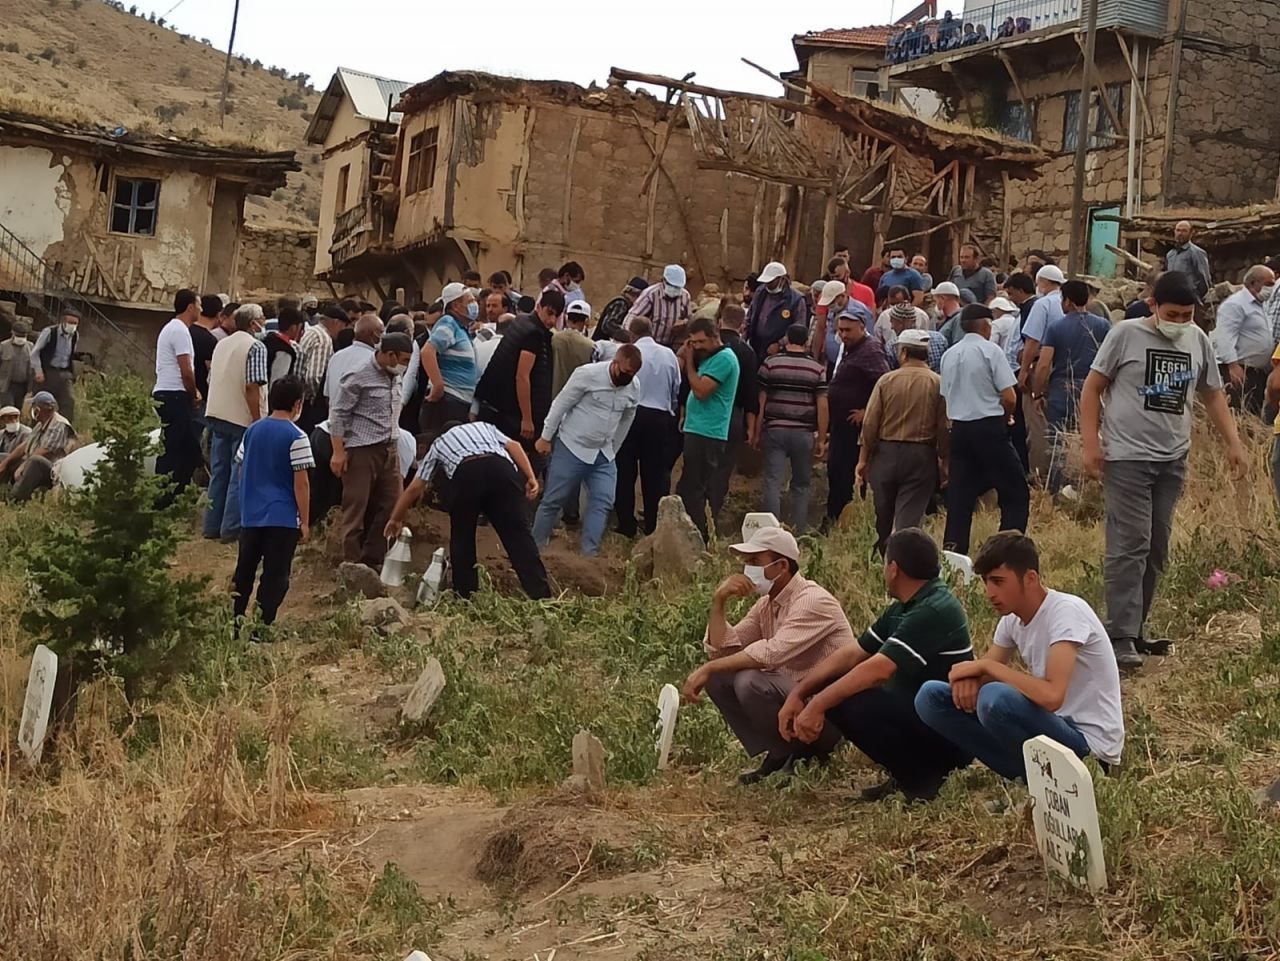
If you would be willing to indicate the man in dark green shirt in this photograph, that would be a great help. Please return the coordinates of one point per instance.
(868, 690)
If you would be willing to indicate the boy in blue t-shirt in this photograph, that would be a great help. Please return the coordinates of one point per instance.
(275, 500)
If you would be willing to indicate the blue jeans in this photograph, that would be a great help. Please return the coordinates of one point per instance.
(783, 444)
(222, 517)
(565, 476)
(1004, 720)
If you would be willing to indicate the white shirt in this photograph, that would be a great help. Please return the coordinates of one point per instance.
(484, 353)
(1002, 330)
(347, 359)
(1242, 335)
(974, 372)
(592, 415)
(884, 325)
(659, 376)
(174, 342)
(1093, 694)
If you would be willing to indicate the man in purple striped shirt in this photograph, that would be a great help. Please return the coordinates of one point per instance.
(665, 305)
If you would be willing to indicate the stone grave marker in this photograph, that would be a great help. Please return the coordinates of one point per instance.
(430, 683)
(588, 760)
(960, 563)
(756, 520)
(1065, 814)
(668, 706)
(38, 703)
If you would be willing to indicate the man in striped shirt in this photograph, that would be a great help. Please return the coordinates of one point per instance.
(793, 424)
(867, 690)
(665, 304)
(755, 664)
(474, 467)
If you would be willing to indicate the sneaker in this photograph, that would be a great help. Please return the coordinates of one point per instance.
(1160, 646)
(1127, 655)
(772, 764)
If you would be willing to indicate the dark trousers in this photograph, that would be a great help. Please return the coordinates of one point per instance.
(701, 459)
(903, 479)
(60, 381)
(326, 489)
(313, 412)
(842, 466)
(17, 395)
(370, 489)
(433, 417)
(181, 438)
(1018, 434)
(646, 453)
(982, 457)
(884, 726)
(37, 474)
(273, 548)
(729, 462)
(749, 702)
(490, 485)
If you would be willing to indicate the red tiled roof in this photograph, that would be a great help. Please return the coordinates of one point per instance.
(874, 36)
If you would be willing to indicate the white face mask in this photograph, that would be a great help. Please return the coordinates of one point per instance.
(1171, 331)
(69, 329)
(1265, 293)
(398, 369)
(670, 290)
(19, 339)
(11, 427)
(761, 583)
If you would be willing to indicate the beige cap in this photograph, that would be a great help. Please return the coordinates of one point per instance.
(10, 412)
(913, 338)
(772, 539)
(1003, 304)
(830, 291)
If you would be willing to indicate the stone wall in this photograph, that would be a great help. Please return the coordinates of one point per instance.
(276, 262)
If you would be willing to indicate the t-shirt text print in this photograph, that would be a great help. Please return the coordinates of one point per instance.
(1168, 378)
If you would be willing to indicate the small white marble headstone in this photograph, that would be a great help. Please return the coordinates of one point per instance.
(38, 703)
(960, 563)
(430, 683)
(756, 520)
(1065, 813)
(418, 956)
(668, 706)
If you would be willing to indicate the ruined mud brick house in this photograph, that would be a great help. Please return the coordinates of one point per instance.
(1181, 120)
(115, 223)
(500, 173)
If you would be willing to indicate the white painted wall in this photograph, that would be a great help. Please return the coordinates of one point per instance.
(34, 201)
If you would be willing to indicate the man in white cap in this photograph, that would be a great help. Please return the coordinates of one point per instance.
(832, 296)
(774, 308)
(29, 466)
(753, 665)
(664, 304)
(1005, 318)
(448, 358)
(1046, 309)
(13, 432)
(570, 347)
(947, 298)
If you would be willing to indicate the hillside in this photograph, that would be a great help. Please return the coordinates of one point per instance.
(122, 70)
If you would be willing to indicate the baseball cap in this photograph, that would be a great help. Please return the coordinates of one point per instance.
(1003, 304)
(773, 539)
(1051, 273)
(673, 274)
(946, 288)
(637, 283)
(772, 271)
(43, 399)
(451, 293)
(830, 291)
(903, 311)
(913, 338)
(10, 412)
(579, 307)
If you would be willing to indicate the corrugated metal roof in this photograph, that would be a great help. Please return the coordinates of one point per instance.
(370, 97)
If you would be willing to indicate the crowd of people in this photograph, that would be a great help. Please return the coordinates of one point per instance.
(924, 37)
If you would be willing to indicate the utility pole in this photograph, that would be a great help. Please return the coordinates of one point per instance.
(1075, 261)
(226, 70)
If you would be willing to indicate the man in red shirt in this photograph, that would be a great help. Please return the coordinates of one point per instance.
(872, 277)
(838, 269)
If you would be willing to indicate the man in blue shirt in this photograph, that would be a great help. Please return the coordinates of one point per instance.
(1045, 310)
(449, 359)
(978, 386)
(275, 495)
(1066, 355)
(900, 275)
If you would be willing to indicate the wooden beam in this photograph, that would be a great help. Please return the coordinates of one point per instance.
(1137, 85)
(829, 225)
(662, 144)
(773, 76)
(657, 80)
(1136, 261)
(1101, 90)
(568, 179)
(1017, 86)
(1006, 224)
(924, 233)
(755, 225)
(675, 196)
(970, 181)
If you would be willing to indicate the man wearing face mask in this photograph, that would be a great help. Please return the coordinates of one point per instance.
(29, 466)
(1242, 338)
(448, 359)
(15, 364)
(1147, 370)
(52, 358)
(571, 347)
(13, 432)
(774, 308)
(755, 664)
(588, 420)
(365, 436)
(665, 304)
(568, 281)
(900, 275)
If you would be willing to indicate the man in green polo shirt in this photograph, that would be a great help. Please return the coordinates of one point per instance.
(868, 690)
(712, 371)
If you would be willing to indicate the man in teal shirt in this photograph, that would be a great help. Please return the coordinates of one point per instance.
(712, 371)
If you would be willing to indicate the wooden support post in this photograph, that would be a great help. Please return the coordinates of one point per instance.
(970, 182)
(829, 226)
(675, 197)
(1017, 86)
(756, 226)
(1137, 85)
(1101, 89)
(568, 180)
(1006, 225)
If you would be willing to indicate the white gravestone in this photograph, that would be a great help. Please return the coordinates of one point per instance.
(960, 563)
(430, 683)
(1065, 814)
(668, 706)
(756, 520)
(38, 703)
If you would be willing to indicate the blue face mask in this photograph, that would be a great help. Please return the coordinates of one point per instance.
(473, 310)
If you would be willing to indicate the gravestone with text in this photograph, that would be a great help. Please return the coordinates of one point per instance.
(668, 707)
(38, 703)
(1065, 813)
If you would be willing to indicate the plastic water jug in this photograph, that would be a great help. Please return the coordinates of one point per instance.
(433, 578)
(399, 556)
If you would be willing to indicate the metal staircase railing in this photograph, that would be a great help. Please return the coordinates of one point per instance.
(28, 278)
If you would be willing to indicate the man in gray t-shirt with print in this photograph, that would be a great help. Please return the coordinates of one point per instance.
(1145, 373)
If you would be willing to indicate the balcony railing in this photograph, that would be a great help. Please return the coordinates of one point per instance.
(999, 21)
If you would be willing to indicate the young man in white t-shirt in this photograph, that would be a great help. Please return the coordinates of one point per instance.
(176, 394)
(1070, 690)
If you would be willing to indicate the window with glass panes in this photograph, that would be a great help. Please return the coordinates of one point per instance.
(133, 206)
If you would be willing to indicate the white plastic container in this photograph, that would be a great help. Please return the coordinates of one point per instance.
(433, 578)
(400, 555)
(756, 520)
(961, 563)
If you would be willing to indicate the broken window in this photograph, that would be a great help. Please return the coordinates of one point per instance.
(133, 209)
(1103, 133)
(1017, 121)
(421, 171)
(344, 176)
(866, 83)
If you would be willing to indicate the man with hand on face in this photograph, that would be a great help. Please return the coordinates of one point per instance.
(774, 308)
(867, 690)
(1148, 369)
(712, 371)
(755, 664)
(665, 304)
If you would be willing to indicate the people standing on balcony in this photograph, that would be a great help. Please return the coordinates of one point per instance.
(1007, 29)
(177, 396)
(52, 359)
(1189, 258)
(448, 358)
(970, 274)
(948, 31)
(15, 364)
